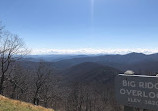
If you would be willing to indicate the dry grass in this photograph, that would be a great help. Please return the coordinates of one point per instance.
(14, 105)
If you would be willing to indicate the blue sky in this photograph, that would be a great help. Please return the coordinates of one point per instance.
(83, 24)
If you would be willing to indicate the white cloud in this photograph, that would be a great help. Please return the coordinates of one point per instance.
(92, 51)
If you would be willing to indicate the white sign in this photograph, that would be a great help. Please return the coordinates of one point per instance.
(137, 91)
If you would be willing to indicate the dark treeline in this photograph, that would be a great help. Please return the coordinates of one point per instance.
(41, 86)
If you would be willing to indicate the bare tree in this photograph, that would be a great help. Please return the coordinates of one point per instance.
(40, 80)
(18, 79)
(12, 48)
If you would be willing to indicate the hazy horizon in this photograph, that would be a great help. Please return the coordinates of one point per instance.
(92, 51)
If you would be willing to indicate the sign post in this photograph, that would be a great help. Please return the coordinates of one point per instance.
(137, 91)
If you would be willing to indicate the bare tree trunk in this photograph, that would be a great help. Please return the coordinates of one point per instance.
(13, 92)
(35, 98)
(1, 84)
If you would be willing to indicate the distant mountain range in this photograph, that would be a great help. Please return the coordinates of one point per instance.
(138, 62)
(52, 58)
